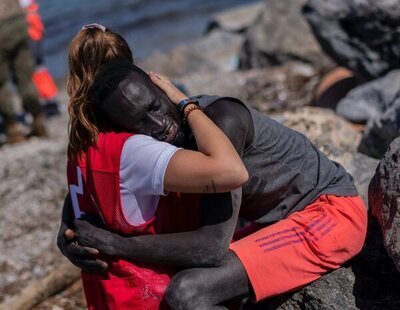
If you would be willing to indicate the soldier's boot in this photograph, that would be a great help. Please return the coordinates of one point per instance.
(38, 126)
(14, 132)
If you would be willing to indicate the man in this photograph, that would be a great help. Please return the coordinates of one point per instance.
(42, 78)
(15, 58)
(303, 208)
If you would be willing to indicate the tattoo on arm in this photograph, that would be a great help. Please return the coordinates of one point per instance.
(212, 186)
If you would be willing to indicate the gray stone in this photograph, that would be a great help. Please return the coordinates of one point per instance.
(237, 19)
(270, 89)
(279, 35)
(381, 131)
(332, 134)
(371, 100)
(362, 35)
(215, 52)
(384, 199)
(362, 168)
(32, 189)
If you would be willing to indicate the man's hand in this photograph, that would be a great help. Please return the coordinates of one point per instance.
(82, 257)
(92, 236)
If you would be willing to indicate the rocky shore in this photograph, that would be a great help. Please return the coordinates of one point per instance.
(273, 55)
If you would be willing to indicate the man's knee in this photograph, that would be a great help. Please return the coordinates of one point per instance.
(182, 292)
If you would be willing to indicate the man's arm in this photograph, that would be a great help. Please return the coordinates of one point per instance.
(206, 246)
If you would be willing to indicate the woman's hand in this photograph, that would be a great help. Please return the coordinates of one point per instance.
(173, 93)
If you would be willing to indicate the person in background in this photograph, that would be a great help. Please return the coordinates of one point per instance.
(16, 62)
(42, 78)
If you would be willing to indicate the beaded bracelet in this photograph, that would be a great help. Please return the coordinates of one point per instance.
(190, 110)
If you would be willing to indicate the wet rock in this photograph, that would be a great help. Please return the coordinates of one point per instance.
(362, 35)
(279, 35)
(371, 100)
(384, 200)
(214, 52)
(269, 89)
(237, 19)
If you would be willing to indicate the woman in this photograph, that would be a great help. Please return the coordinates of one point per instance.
(120, 176)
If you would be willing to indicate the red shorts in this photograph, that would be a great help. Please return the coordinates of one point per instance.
(301, 248)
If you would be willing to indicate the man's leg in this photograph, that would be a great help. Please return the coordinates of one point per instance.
(301, 248)
(14, 131)
(279, 258)
(206, 288)
(23, 67)
(7, 110)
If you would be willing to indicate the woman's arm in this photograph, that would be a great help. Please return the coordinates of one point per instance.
(215, 168)
(207, 245)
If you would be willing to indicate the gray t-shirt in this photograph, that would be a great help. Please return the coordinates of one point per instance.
(287, 172)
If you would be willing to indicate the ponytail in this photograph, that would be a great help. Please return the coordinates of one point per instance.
(89, 51)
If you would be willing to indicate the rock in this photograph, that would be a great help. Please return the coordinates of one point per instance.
(384, 200)
(371, 100)
(32, 189)
(362, 35)
(362, 168)
(380, 132)
(279, 35)
(332, 134)
(237, 19)
(270, 89)
(214, 52)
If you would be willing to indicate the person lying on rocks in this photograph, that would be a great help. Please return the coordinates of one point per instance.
(305, 215)
(118, 176)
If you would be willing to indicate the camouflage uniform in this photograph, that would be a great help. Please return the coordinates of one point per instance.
(15, 61)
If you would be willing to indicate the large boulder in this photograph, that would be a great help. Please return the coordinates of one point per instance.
(332, 134)
(280, 34)
(215, 52)
(371, 100)
(384, 200)
(237, 19)
(272, 89)
(362, 35)
(381, 131)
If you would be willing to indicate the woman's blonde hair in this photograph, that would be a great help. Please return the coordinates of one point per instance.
(89, 50)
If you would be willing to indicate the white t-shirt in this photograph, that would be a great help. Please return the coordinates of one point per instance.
(144, 161)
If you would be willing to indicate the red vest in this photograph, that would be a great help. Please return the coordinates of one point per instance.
(94, 186)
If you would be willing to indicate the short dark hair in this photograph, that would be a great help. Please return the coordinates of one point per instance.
(108, 78)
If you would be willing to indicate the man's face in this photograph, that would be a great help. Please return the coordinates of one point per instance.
(143, 108)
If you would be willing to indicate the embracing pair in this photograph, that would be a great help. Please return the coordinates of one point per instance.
(158, 180)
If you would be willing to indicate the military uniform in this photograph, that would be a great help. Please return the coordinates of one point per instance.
(15, 62)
